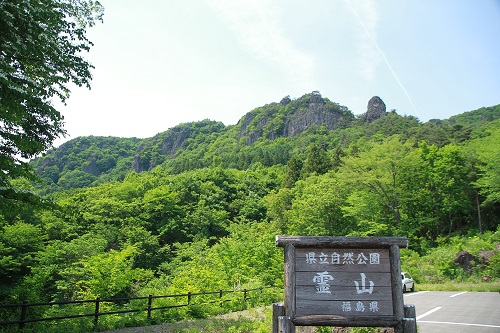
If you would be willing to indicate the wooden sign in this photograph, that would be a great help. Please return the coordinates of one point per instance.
(343, 281)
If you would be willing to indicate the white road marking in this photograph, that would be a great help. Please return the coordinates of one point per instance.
(451, 323)
(416, 293)
(428, 312)
(458, 294)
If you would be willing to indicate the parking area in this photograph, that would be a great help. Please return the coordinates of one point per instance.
(456, 312)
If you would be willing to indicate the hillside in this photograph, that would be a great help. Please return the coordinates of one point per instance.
(269, 135)
(197, 208)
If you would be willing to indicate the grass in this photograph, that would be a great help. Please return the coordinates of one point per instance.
(259, 320)
(252, 321)
(460, 286)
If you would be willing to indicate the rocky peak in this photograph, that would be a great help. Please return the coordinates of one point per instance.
(375, 109)
(316, 98)
(291, 117)
(316, 113)
(285, 100)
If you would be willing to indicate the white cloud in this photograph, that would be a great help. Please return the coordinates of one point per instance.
(257, 26)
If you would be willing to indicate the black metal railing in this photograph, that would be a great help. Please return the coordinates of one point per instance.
(23, 317)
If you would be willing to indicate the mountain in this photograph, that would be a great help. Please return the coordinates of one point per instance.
(270, 135)
(203, 202)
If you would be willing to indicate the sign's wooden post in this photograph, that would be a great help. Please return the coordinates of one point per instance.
(409, 320)
(278, 311)
(343, 281)
(285, 325)
(289, 282)
(397, 288)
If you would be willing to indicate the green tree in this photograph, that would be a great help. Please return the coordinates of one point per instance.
(41, 52)
(278, 203)
(19, 244)
(46, 280)
(317, 208)
(438, 195)
(487, 149)
(161, 209)
(451, 175)
(294, 168)
(247, 255)
(379, 170)
(109, 274)
(317, 161)
(76, 179)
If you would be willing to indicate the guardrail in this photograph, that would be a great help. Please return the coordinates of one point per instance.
(98, 301)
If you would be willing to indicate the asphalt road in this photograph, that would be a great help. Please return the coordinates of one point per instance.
(456, 312)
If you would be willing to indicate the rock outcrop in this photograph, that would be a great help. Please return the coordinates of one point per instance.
(169, 143)
(315, 114)
(285, 100)
(290, 118)
(466, 260)
(470, 262)
(375, 109)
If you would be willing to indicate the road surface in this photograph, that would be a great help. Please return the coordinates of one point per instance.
(456, 312)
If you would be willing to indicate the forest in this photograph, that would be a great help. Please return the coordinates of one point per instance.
(197, 208)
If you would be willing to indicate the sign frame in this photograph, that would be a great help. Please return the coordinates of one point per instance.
(392, 244)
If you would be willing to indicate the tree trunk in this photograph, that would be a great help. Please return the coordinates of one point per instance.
(479, 213)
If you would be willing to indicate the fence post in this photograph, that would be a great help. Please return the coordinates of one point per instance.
(245, 295)
(284, 324)
(189, 298)
(278, 311)
(96, 312)
(24, 308)
(409, 320)
(150, 302)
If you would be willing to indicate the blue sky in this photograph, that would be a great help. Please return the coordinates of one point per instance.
(161, 63)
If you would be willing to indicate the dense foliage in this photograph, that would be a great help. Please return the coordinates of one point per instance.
(84, 161)
(197, 208)
(41, 46)
(201, 214)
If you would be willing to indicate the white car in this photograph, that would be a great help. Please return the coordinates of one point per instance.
(407, 281)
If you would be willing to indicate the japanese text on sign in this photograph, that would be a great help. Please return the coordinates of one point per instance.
(349, 281)
(346, 258)
(342, 281)
(359, 306)
(323, 287)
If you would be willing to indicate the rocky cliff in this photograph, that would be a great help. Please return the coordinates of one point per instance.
(317, 113)
(292, 117)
